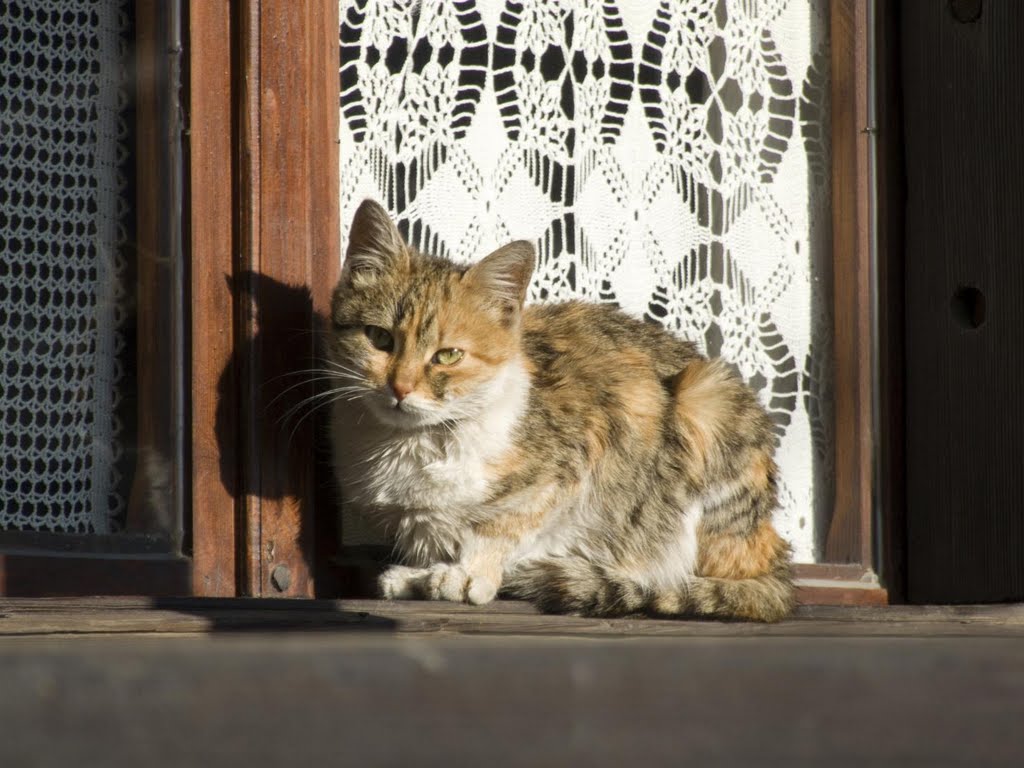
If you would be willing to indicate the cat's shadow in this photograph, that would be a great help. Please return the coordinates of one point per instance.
(273, 454)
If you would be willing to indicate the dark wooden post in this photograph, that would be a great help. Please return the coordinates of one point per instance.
(963, 88)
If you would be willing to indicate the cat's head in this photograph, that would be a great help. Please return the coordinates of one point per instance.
(420, 340)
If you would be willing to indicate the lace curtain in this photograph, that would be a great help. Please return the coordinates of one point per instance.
(61, 145)
(671, 157)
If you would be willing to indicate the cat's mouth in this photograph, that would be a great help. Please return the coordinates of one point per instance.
(403, 413)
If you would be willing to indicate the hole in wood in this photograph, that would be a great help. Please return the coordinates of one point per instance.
(965, 11)
(968, 306)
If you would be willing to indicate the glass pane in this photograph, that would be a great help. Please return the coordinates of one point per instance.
(672, 158)
(70, 292)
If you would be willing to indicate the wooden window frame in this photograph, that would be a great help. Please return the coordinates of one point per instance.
(848, 575)
(264, 213)
(257, 98)
(261, 232)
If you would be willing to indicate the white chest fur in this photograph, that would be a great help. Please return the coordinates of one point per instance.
(425, 471)
(441, 470)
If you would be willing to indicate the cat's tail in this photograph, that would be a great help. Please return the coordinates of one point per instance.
(576, 585)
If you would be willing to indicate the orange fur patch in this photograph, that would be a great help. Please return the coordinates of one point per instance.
(512, 525)
(739, 557)
(760, 472)
(700, 405)
(510, 463)
(644, 401)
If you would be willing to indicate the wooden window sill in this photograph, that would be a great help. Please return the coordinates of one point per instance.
(36, 617)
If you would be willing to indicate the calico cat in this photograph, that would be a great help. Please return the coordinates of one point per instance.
(565, 454)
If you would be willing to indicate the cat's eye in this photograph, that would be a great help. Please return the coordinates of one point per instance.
(448, 356)
(379, 337)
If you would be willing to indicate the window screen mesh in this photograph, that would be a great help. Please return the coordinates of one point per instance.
(62, 145)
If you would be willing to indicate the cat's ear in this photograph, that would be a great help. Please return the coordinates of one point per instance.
(375, 246)
(504, 275)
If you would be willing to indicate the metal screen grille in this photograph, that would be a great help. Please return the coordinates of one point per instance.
(62, 142)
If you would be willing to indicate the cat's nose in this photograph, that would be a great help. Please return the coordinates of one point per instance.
(401, 389)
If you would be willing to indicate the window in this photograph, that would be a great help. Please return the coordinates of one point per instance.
(90, 302)
(251, 130)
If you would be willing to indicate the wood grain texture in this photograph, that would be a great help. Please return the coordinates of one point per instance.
(152, 506)
(834, 572)
(246, 362)
(325, 268)
(329, 698)
(890, 189)
(838, 584)
(289, 230)
(113, 615)
(963, 86)
(214, 386)
(841, 594)
(849, 536)
(35, 575)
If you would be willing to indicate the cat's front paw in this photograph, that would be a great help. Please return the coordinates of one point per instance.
(481, 590)
(447, 582)
(400, 582)
(454, 583)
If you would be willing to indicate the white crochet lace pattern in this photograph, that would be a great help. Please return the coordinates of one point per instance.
(671, 157)
(61, 143)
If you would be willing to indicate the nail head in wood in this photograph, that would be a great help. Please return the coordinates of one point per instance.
(281, 578)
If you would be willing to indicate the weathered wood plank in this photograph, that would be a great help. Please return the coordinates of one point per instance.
(833, 593)
(289, 225)
(44, 574)
(849, 537)
(127, 616)
(213, 379)
(327, 699)
(963, 88)
(837, 584)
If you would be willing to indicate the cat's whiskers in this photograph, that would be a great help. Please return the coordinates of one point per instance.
(335, 365)
(449, 428)
(359, 392)
(375, 456)
(303, 371)
(305, 382)
(348, 392)
(318, 401)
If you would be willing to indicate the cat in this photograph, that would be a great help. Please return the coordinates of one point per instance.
(566, 454)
